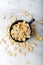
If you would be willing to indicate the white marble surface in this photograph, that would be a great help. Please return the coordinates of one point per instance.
(34, 7)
